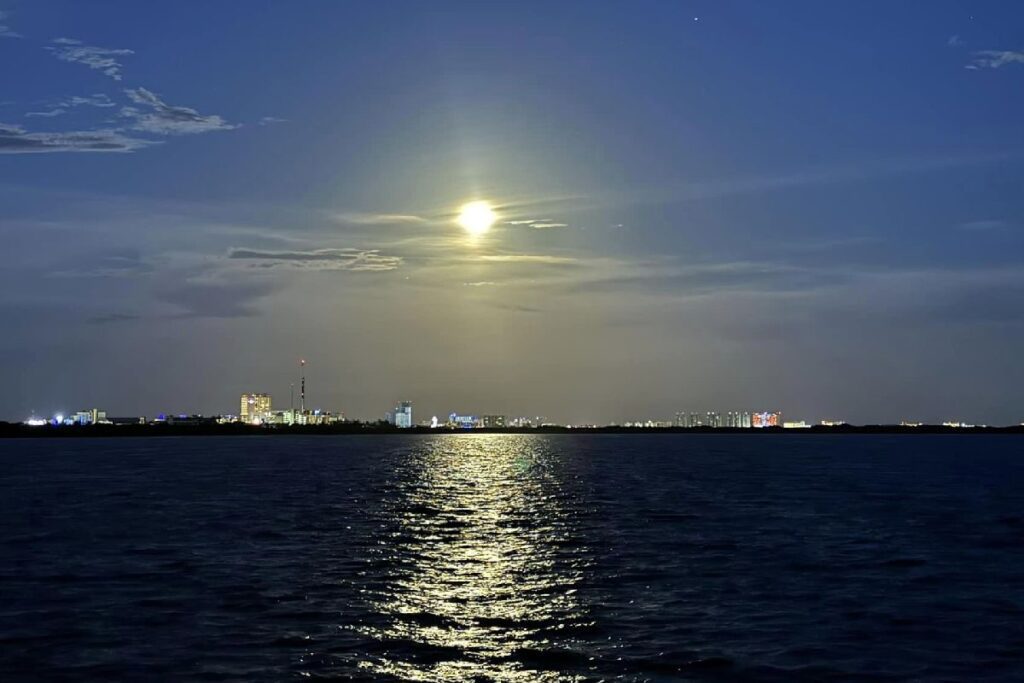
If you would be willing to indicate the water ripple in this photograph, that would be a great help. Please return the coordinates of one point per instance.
(512, 558)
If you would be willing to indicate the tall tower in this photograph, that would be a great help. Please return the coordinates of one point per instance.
(302, 386)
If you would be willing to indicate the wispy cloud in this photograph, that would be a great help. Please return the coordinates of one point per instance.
(48, 114)
(357, 260)
(379, 218)
(529, 258)
(5, 30)
(480, 283)
(270, 120)
(712, 278)
(102, 59)
(538, 223)
(16, 140)
(65, 105)
(954, 41)
(96, 100)
(164, 119)
(994, 59)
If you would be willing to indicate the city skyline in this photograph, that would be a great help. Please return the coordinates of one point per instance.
(256, 410)
(590, 212)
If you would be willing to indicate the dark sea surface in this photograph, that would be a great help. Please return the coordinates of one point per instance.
(513, 558)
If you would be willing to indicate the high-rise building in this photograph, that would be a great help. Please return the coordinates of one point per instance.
(493, 421)
(403, 415)
(684, 419)
(255, 408)
(713, 419)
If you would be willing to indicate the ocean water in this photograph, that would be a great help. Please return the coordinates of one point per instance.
(513, 558)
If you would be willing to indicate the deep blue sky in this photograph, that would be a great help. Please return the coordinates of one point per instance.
(803, 206)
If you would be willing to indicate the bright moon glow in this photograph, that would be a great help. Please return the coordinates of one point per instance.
(477, 217)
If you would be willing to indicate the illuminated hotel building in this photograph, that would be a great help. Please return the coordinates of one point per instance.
(766, 420)
(463, 421)
(255, 408)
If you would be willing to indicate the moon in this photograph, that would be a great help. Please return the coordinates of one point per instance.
(476, 218)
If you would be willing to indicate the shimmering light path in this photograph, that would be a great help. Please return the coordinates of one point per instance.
(512, 558)
(487, 561)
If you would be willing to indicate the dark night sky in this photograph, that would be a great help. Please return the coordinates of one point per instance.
(813, 207)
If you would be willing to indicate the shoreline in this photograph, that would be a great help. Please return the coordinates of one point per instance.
(17, 430)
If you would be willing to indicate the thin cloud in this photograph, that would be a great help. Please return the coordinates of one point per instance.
(270, 120)
(164, 119)
(954, 41)
(481, 283)
(356, 260)
(703, 279)
(994, 59)
(5, 30)
(518, 308)
(379, 218)
(48, 114)
(97, 100)
(538, 223)
(62, 107)
(529, 258)
(102, 59)
(16, 140)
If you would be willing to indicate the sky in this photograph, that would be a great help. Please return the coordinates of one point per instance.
(809, 207)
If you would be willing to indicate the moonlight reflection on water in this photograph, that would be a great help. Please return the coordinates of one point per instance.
(489, 563)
